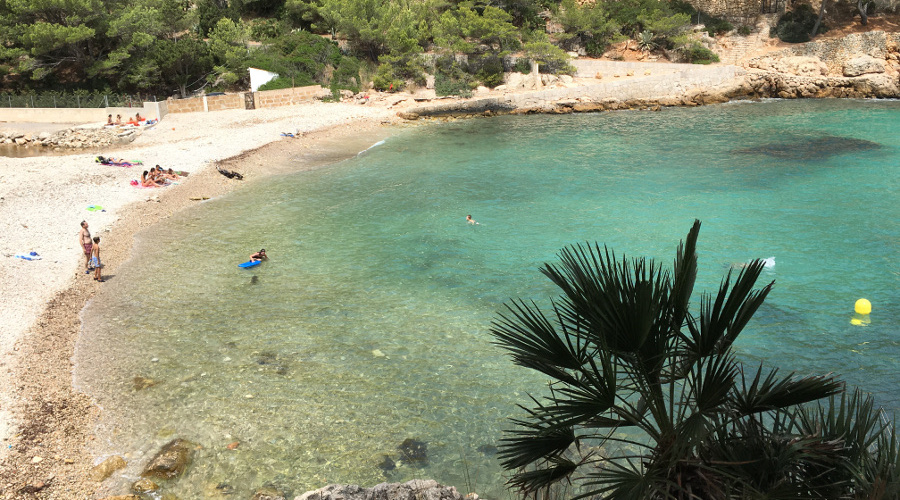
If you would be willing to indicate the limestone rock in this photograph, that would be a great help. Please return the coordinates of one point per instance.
(863, 65)
(144, 486)
(267, 493)
(878, 85)
(416, 489)
(123, 497)
(106, 468)
(171, 461)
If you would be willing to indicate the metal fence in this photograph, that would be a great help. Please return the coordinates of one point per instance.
(72, 100)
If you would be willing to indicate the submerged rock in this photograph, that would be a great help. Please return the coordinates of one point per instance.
(817, 148)
(488, 449)
(268, 493)
(171, 461)
(270, 361)
(417, 488)
(414, 452)
(387, 464)
(144, 486)
(141, 383)
(106, 468)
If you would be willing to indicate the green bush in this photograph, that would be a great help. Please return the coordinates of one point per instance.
(450, 78)
(744, 30)
(265, 29)
(796, 26)
(522, 66)
(696, 53)
(488, 69)
(346, 75)
(385, 78)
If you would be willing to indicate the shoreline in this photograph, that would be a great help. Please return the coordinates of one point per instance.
(47, 422)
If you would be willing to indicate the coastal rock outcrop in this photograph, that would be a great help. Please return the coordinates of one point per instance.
(73, 138)
(417, 489)
(862, 65)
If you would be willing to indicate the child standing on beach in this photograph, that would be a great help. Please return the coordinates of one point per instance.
(95, 259)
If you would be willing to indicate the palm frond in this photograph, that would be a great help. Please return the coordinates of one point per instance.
(539, 437)
(534, 342)
(722, 320)
(770, 393)
(530, 481)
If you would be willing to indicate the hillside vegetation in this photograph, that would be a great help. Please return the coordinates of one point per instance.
(179, 47)
(166, 47)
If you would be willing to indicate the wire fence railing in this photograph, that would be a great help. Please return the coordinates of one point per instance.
(73, 100)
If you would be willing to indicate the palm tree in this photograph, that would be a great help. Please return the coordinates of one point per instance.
(647, 400)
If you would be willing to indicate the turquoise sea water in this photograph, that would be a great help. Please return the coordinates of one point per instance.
(369, 324)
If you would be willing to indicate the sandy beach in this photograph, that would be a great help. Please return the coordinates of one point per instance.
(43, 199)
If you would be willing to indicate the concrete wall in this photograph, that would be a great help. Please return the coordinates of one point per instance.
(78, 115)
(264, 99)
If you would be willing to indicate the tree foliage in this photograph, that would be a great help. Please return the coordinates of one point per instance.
(648, 400)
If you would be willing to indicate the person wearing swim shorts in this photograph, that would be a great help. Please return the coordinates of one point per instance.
(84, 241)
(95, 259)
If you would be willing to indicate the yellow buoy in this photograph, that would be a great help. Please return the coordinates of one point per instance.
(862, 306)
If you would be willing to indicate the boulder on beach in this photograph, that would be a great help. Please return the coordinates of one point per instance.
(171, 461)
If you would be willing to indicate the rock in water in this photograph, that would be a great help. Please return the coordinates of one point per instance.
(144, 486)
(387, 464)
(414, 452)
(487, 449)
(804, 148)
(268, 493)
(105, 468)
(171, 461)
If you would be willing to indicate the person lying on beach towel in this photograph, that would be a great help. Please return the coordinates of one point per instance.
(230, 174)
(118, 162)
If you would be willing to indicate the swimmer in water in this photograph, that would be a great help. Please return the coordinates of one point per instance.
(260, 255)
(470, 220)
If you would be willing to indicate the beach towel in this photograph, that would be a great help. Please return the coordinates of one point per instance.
(28, 256)
(95, 208)
(288, 134)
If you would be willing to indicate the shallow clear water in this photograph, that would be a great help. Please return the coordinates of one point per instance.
(369, 324)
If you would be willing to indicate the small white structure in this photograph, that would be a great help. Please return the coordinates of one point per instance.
(259, 77)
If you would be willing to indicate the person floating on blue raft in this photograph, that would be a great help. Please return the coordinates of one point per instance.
(255, 259)
(259, 256)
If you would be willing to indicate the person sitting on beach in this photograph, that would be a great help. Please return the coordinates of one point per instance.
(166, 174)
(118, 120)
(177, 175)
(149, 181)
(138, 117)
(109, 121)
(260, 255)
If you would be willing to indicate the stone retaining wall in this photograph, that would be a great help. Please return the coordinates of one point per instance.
(674, 83)
(286, 97)
(836, 52)
(263, 99)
